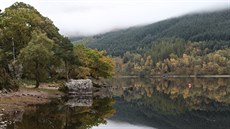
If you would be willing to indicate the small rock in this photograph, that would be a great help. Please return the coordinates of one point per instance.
(4, 91)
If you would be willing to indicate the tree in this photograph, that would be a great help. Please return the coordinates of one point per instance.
(65, 52)
(97, 62)
(5, 80)
(36, 57)
(17, 24)
(19, 21)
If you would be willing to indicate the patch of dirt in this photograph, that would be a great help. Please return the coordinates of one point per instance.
(17, 101)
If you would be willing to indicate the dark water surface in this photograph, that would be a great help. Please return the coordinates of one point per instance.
(133, 103)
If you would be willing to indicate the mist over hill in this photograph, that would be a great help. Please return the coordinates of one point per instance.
(207, 26)
(195, 44)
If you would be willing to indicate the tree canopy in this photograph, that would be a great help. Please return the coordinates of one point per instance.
(31, 47)
(96, 62)
(36, 57)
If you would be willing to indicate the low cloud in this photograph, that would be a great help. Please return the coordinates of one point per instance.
(89, 17)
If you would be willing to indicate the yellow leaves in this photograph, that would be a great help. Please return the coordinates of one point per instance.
(137, 67)
(82, 72)
(185, 59)
(99, 64)
(174, 90)
(211, 64)
(186, 93)
(220, 70)
(148, 61)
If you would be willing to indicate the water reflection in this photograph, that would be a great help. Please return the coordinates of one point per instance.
(121, 125)
(80, 101)
(184, 103)
(58, 116)
(172, 104)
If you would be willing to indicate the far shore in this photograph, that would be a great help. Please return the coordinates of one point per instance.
(176, 76)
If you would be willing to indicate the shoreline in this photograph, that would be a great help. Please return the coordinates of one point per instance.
(176, 76)
(191, 76)
(17, 101)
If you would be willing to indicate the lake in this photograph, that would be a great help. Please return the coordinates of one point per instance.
(134, 103)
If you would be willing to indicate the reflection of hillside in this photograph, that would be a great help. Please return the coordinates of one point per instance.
(58, 116)
(131, 89)
(204, 94)
(137, 113)
(171, 104)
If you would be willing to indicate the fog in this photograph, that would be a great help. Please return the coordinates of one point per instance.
(89, 17)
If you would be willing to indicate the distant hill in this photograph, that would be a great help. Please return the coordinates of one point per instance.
(211, 26)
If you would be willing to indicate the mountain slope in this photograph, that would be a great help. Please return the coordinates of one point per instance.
(214, 26)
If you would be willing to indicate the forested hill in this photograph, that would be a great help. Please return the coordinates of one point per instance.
(209, 26)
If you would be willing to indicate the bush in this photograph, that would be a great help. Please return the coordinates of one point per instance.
(6, 82)
(63, 88)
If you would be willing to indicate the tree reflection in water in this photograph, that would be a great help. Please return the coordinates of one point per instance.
(172, 104)
(184, 103)
(57, 115)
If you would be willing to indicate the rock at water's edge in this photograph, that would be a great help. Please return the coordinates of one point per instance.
(81, 86)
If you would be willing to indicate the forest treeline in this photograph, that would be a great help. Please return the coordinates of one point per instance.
(32, 48)
(207, 26)
(177, 56)
(182, 45)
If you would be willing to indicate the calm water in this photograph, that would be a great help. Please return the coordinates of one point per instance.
(182, 103)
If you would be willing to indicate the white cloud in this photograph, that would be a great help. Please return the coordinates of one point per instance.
(120, 125)
(96, 16)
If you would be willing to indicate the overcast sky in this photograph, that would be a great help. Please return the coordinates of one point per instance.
(88, 17)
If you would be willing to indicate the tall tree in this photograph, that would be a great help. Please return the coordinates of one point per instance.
(36, 57)
(17, 24)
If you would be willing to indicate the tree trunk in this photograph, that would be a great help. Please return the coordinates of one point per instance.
(67, 70)
(37, 83)
(37, 77)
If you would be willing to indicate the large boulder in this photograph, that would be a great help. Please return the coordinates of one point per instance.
(80, 92)
(79, 87)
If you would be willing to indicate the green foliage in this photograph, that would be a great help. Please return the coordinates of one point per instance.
(6, 82)
(211, 26)
(213, 63)
(156, 48)
(30, 41)
(18, 23)
(92, 62)
(18, 26)
(36, 57)
(164, 47)
(176, 56)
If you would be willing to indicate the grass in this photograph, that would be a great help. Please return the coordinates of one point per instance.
(24, 82)
(49, 91)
